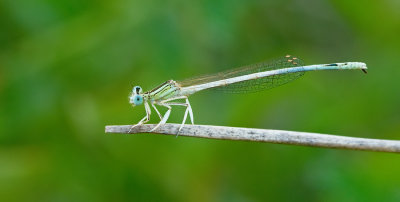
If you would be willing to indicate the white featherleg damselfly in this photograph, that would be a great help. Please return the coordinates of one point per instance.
(249, 78)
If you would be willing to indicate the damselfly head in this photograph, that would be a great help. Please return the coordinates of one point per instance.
(136, 98)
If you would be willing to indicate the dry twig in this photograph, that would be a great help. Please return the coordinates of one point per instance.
(263, 135)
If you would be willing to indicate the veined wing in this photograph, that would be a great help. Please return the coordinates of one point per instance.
(255, 84)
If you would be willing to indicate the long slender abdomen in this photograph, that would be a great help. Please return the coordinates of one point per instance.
(278, 76)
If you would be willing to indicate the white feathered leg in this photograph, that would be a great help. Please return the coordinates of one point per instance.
(159, 115)
(188, 110)
(166, 103)
(145, 119)
(165, 118)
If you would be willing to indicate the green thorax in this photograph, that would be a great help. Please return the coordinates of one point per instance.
(164, 91)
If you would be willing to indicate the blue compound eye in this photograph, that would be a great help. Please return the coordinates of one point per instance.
(137, 100)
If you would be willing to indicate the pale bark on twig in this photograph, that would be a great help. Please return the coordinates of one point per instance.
(264, 135)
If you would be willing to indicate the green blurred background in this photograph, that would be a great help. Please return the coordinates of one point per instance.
(67, 67)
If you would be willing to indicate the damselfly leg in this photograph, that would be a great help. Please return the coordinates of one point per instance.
(145, 119)
(168, 104)
(159, 115)
(188, 109)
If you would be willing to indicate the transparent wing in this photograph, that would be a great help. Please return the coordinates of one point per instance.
(252, 85)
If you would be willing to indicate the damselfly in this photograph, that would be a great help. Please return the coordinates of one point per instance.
(250, 78)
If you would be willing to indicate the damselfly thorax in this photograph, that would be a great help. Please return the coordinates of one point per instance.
(166, 90)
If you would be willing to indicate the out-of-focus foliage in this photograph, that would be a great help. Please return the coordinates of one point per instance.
(66, 69)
